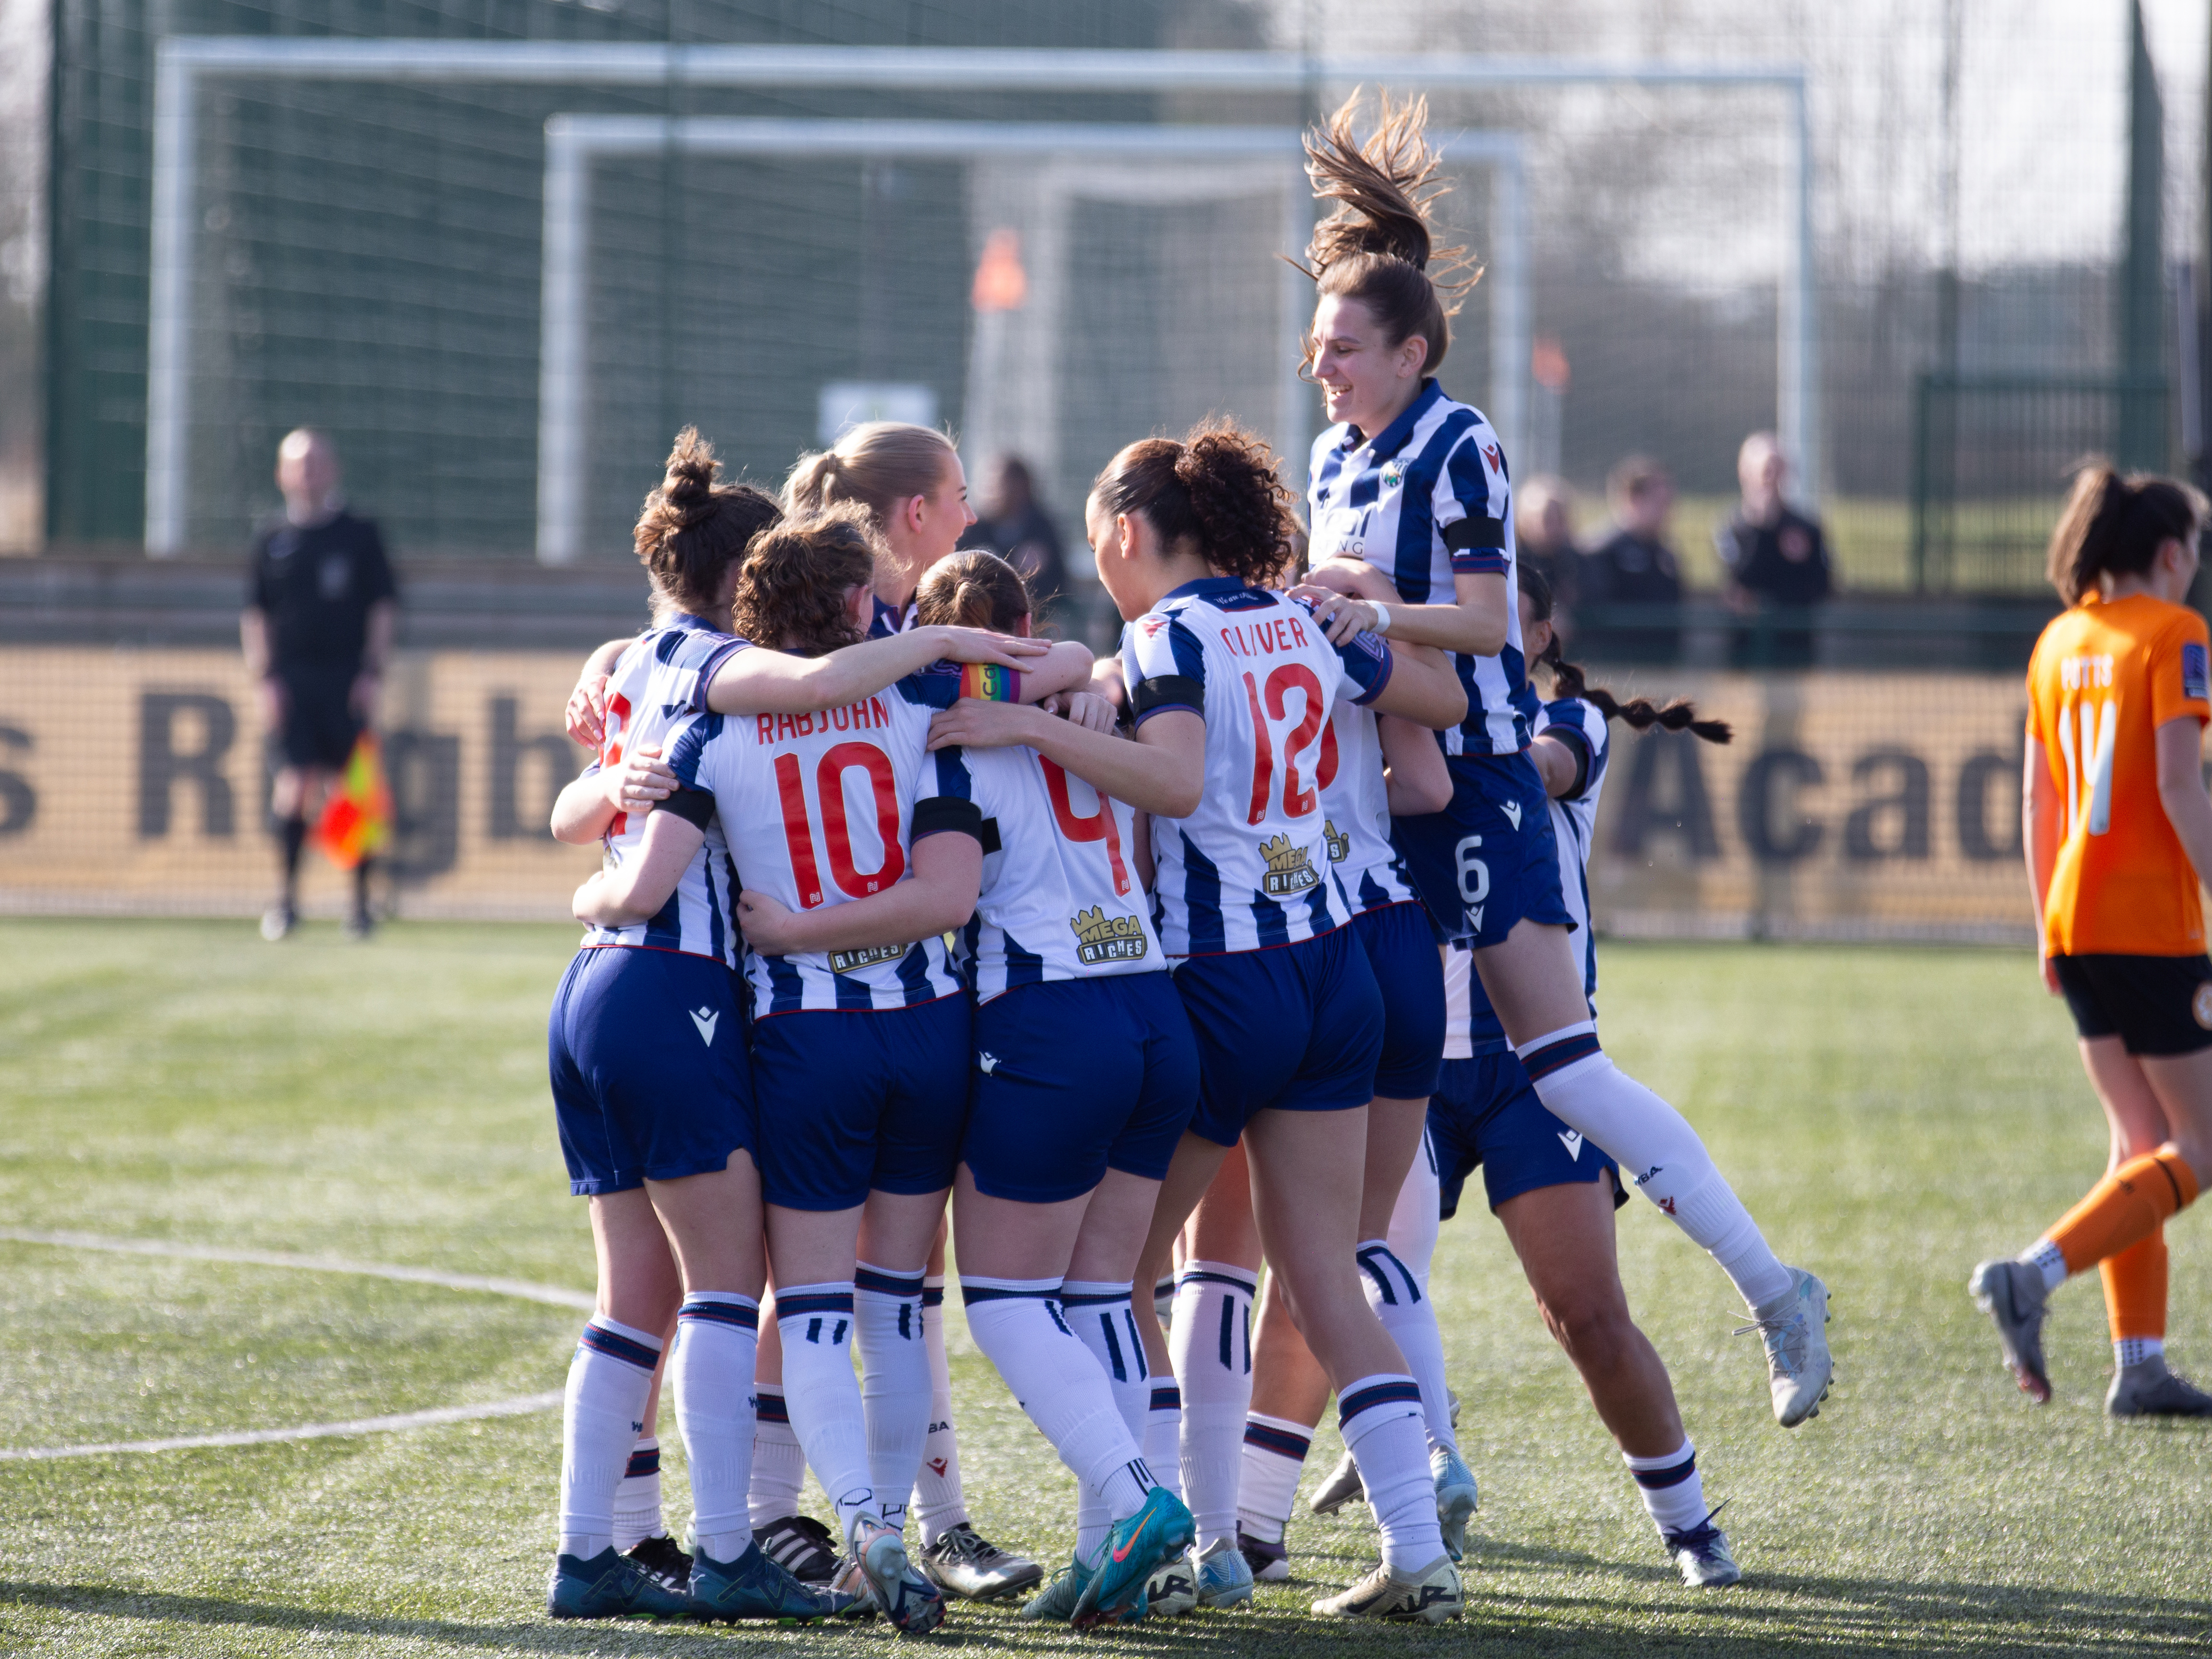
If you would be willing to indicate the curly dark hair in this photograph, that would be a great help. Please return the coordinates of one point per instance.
(793, 586)
(691, 530)
(1217, 486)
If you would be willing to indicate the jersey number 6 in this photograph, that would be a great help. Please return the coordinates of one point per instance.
(829, 793)
(1297, 801)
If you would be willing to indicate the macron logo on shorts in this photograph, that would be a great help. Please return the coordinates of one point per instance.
(1512, 810)
(988, 1062)
(706, 1019)
(1572, 1141)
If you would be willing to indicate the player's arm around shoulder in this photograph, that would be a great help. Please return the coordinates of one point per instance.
(635, 890)
(759, 681)
(944, 874)
(1414, 774)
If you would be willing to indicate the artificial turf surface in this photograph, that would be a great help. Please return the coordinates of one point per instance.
(1891, 1116)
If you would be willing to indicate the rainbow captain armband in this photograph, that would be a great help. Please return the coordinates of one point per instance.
(990, 682)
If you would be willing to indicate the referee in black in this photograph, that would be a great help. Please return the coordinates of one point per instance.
(320, 607)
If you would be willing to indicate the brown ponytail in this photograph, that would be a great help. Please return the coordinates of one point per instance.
(793, 585)
(2114, 527)
(1378, 246)
(691, 530)
(975, 589)
(1216, 487)
(1567, 681)
(876, 464)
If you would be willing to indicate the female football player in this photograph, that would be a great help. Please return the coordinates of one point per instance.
(1231, 686)
(1416, 484)
(910, 479)
(2119, 833)
(1554, 1194)
(660, 1132)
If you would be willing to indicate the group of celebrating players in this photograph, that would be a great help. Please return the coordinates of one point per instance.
(1247, 948)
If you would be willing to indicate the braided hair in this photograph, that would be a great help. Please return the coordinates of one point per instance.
(1640, 713)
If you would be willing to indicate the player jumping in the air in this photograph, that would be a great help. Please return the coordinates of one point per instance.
(2118, 835)
(1416, 485)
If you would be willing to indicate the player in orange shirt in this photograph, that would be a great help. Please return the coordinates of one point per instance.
(2119, 833)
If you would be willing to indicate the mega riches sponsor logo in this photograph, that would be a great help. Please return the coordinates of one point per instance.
(1101, 938)
(1290, 869)
(849, 961)
(1340, 844)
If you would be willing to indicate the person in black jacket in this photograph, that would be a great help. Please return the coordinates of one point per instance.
(1018, 529)
(320, 608)
(1635, 567)
(1776, 560)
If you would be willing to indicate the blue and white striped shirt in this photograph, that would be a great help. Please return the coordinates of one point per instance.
(660, 681)
(1426, 499)
(1355, 801)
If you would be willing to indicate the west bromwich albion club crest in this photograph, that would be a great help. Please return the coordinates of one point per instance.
(1394, 474)
(1340, 844)
(1290, 869)
(1101, 938)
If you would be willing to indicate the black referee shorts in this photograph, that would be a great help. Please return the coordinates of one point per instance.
(319, 724)
(2154, 1004)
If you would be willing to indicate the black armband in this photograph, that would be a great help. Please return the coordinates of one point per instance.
(942, 812)
(1578, 746)
(694, 807)
(1478, 530)
(989, 837)
(1162, 691)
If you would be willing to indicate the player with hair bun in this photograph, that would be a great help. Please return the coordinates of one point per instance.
(910, 481)
(2118, 834)
(1416, 485)
(1231, 686)
(654, 1094)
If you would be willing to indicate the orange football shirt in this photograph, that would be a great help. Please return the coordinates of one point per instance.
(2104, 677)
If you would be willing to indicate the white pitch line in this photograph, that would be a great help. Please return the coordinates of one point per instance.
(554, 1295)
(520, 1407)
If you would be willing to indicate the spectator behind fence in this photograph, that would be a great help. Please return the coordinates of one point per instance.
(1776, 560)
(1544, 539)
(1019, 530)
(317, 632)
(1634, 567)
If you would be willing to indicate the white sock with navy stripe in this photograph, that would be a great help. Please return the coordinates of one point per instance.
(1658, 1151)
(939, 1504)
(824, 1397)
(1380, 1416)
(894, 1381)
(717, 1341)
(1163, 1436)
(1274, 1456)
(1212, 1346)
(1017, 1324)
(1395, 1293)
(1104, 1318)
(602, 1414)
(637, 1498)
(779, 1466)
(1672, 1490)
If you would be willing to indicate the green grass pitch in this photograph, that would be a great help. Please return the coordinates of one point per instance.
(1891, 1116)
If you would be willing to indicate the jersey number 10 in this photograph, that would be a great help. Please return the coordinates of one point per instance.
(829, 804)
(2089, 763)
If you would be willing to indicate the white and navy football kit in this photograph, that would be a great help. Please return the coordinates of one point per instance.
(1485, 1110)
(859, 1057)
(647, 1042)
(1083, 1055)
(1281, 999)
(1423, 501)
(1390, 922)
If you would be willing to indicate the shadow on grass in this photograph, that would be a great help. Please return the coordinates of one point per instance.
(1782, 1613)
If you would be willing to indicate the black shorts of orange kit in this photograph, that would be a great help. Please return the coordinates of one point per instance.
(2154, 1005)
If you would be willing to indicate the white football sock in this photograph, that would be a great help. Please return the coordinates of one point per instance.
(1163, 1436)
(717, 1341)
(779, 1466)
(1659, 1151)
(939, 1504)
(1395, 1294)
(1017, 1324)
(1380, 1416)
(1212, 1346)
(1104, 1320)
(2138, 1350)
(1274, 1456)
(602, 1414)
(824, 1397)
(894, 1382)
(637, 1498)
(1413, 1219)
(1673, 1491)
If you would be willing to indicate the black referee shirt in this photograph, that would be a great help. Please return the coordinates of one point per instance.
(316, 585)
(1786, 563)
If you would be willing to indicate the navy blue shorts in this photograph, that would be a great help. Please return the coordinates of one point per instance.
(647, 1053)
(1297, 1028)
(1489, 859)
(1402, 949)
(1074, 1076)
(1485, 1111)
(851, 1100)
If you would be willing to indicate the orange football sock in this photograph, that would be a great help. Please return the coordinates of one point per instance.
(2125, 1208)
(2135, 1289)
